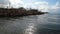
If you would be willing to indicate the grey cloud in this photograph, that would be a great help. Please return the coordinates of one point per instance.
(4, 1)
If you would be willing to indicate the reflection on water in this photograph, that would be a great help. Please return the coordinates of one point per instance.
(30, 29)
(37, 24)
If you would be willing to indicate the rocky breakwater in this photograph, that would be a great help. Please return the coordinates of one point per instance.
(13, 12)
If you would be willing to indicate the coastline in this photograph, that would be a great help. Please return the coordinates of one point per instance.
(4, 12)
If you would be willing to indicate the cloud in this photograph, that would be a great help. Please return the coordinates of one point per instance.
(35, 5)
(3, 3)
(55, 7)
(43, 5)
(40, 5)
(16, 3)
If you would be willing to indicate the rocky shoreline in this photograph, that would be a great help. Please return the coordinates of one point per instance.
(13, 12)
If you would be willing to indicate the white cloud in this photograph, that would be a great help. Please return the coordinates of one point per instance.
(40, 5)
(16, 3)
(29, 4)
(55, 7)
(43, 6)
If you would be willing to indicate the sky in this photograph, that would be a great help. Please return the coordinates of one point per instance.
(43, 5)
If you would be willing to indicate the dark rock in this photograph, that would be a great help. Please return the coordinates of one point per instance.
(4, 12)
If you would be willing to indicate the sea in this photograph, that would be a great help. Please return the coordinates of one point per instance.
(33, 24)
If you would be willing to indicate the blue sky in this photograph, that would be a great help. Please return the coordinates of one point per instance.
(36, 4)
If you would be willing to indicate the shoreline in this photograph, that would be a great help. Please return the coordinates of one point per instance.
(18, 12)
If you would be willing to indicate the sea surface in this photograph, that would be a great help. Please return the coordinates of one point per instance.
(34, 24)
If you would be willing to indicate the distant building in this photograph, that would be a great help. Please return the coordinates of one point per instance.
(34, 10)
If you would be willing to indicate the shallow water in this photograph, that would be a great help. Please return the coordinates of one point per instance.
(34, 24)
